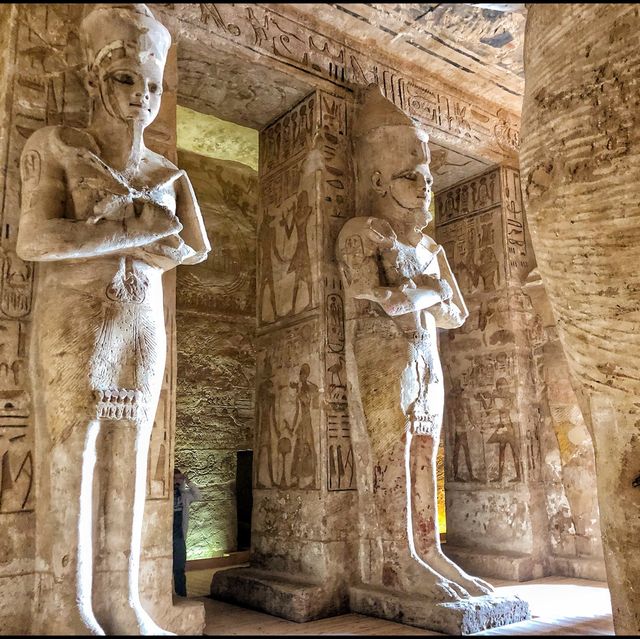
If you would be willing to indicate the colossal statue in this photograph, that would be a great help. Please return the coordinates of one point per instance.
(105, 217)
(399, 291)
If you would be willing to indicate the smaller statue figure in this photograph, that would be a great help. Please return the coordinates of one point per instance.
(399, 289)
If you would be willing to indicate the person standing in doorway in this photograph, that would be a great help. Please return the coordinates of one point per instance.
(184, 492)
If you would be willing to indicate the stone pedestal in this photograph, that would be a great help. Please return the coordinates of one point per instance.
(462, 617)
(285, 596)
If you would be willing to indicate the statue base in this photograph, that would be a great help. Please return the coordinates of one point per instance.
(185, 617)
(287, 596)
(462, 617)
(499, 565)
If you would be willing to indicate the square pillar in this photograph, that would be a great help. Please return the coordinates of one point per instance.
(304, 499)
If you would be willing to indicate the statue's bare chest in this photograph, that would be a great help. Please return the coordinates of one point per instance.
(406, 262)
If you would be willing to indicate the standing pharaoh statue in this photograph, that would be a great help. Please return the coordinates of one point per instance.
(399, 290)
(105, 217)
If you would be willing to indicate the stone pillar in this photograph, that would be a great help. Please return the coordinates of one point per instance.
(510, 402)
(216, 324)
(17, 494)
(304, 508)
(496, 520)
(579, 161)
(42, 85)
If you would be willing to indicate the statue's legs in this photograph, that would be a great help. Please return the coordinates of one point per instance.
(122, 472)
(86, 528)
(65, 539)
(422, 515)
(143, 437)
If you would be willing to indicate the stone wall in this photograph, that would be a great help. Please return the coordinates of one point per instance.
(215, 325)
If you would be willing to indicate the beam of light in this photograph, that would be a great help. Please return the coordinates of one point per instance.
(147, 625)
(84, 577)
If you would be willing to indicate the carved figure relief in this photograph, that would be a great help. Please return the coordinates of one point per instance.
(499, 406)
(463, 420)
(304, 463)
(266, 427)
(287, 412)
(106, 217)
(300, 263)
(409, 289)
(286, 230)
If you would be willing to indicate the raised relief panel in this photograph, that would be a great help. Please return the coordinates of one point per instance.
(288, 415)
(287, 229)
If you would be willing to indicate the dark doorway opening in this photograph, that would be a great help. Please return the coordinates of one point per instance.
(244, 497)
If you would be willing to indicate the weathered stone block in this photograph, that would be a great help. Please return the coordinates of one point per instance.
(463, 617)
(282, 595)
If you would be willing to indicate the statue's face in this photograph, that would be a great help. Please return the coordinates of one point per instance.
(133, 90)
(406, 177)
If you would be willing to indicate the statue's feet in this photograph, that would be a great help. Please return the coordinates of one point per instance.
(147, 625)
(423, 580)
(474, 586)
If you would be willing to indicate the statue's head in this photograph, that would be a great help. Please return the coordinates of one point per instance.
(126, 49)
(392, 161)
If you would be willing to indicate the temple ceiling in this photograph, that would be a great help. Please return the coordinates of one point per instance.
(476, 47)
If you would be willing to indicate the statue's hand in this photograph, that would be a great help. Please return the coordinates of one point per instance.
(436, 284)
(112, 207)
(158, 219)
(168, 251)
(447, 315)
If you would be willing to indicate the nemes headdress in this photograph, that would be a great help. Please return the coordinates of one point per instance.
(124, 30)
(375, 112)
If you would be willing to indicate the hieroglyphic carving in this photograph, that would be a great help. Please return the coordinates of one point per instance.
(506, 131)
(14, 396)
(16, 469)
(287, 225)
(337, 205)
(341, 471)
(470, 196)
(520, 255)
(274, 35)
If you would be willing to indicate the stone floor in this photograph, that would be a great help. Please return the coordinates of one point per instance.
(559, 606)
